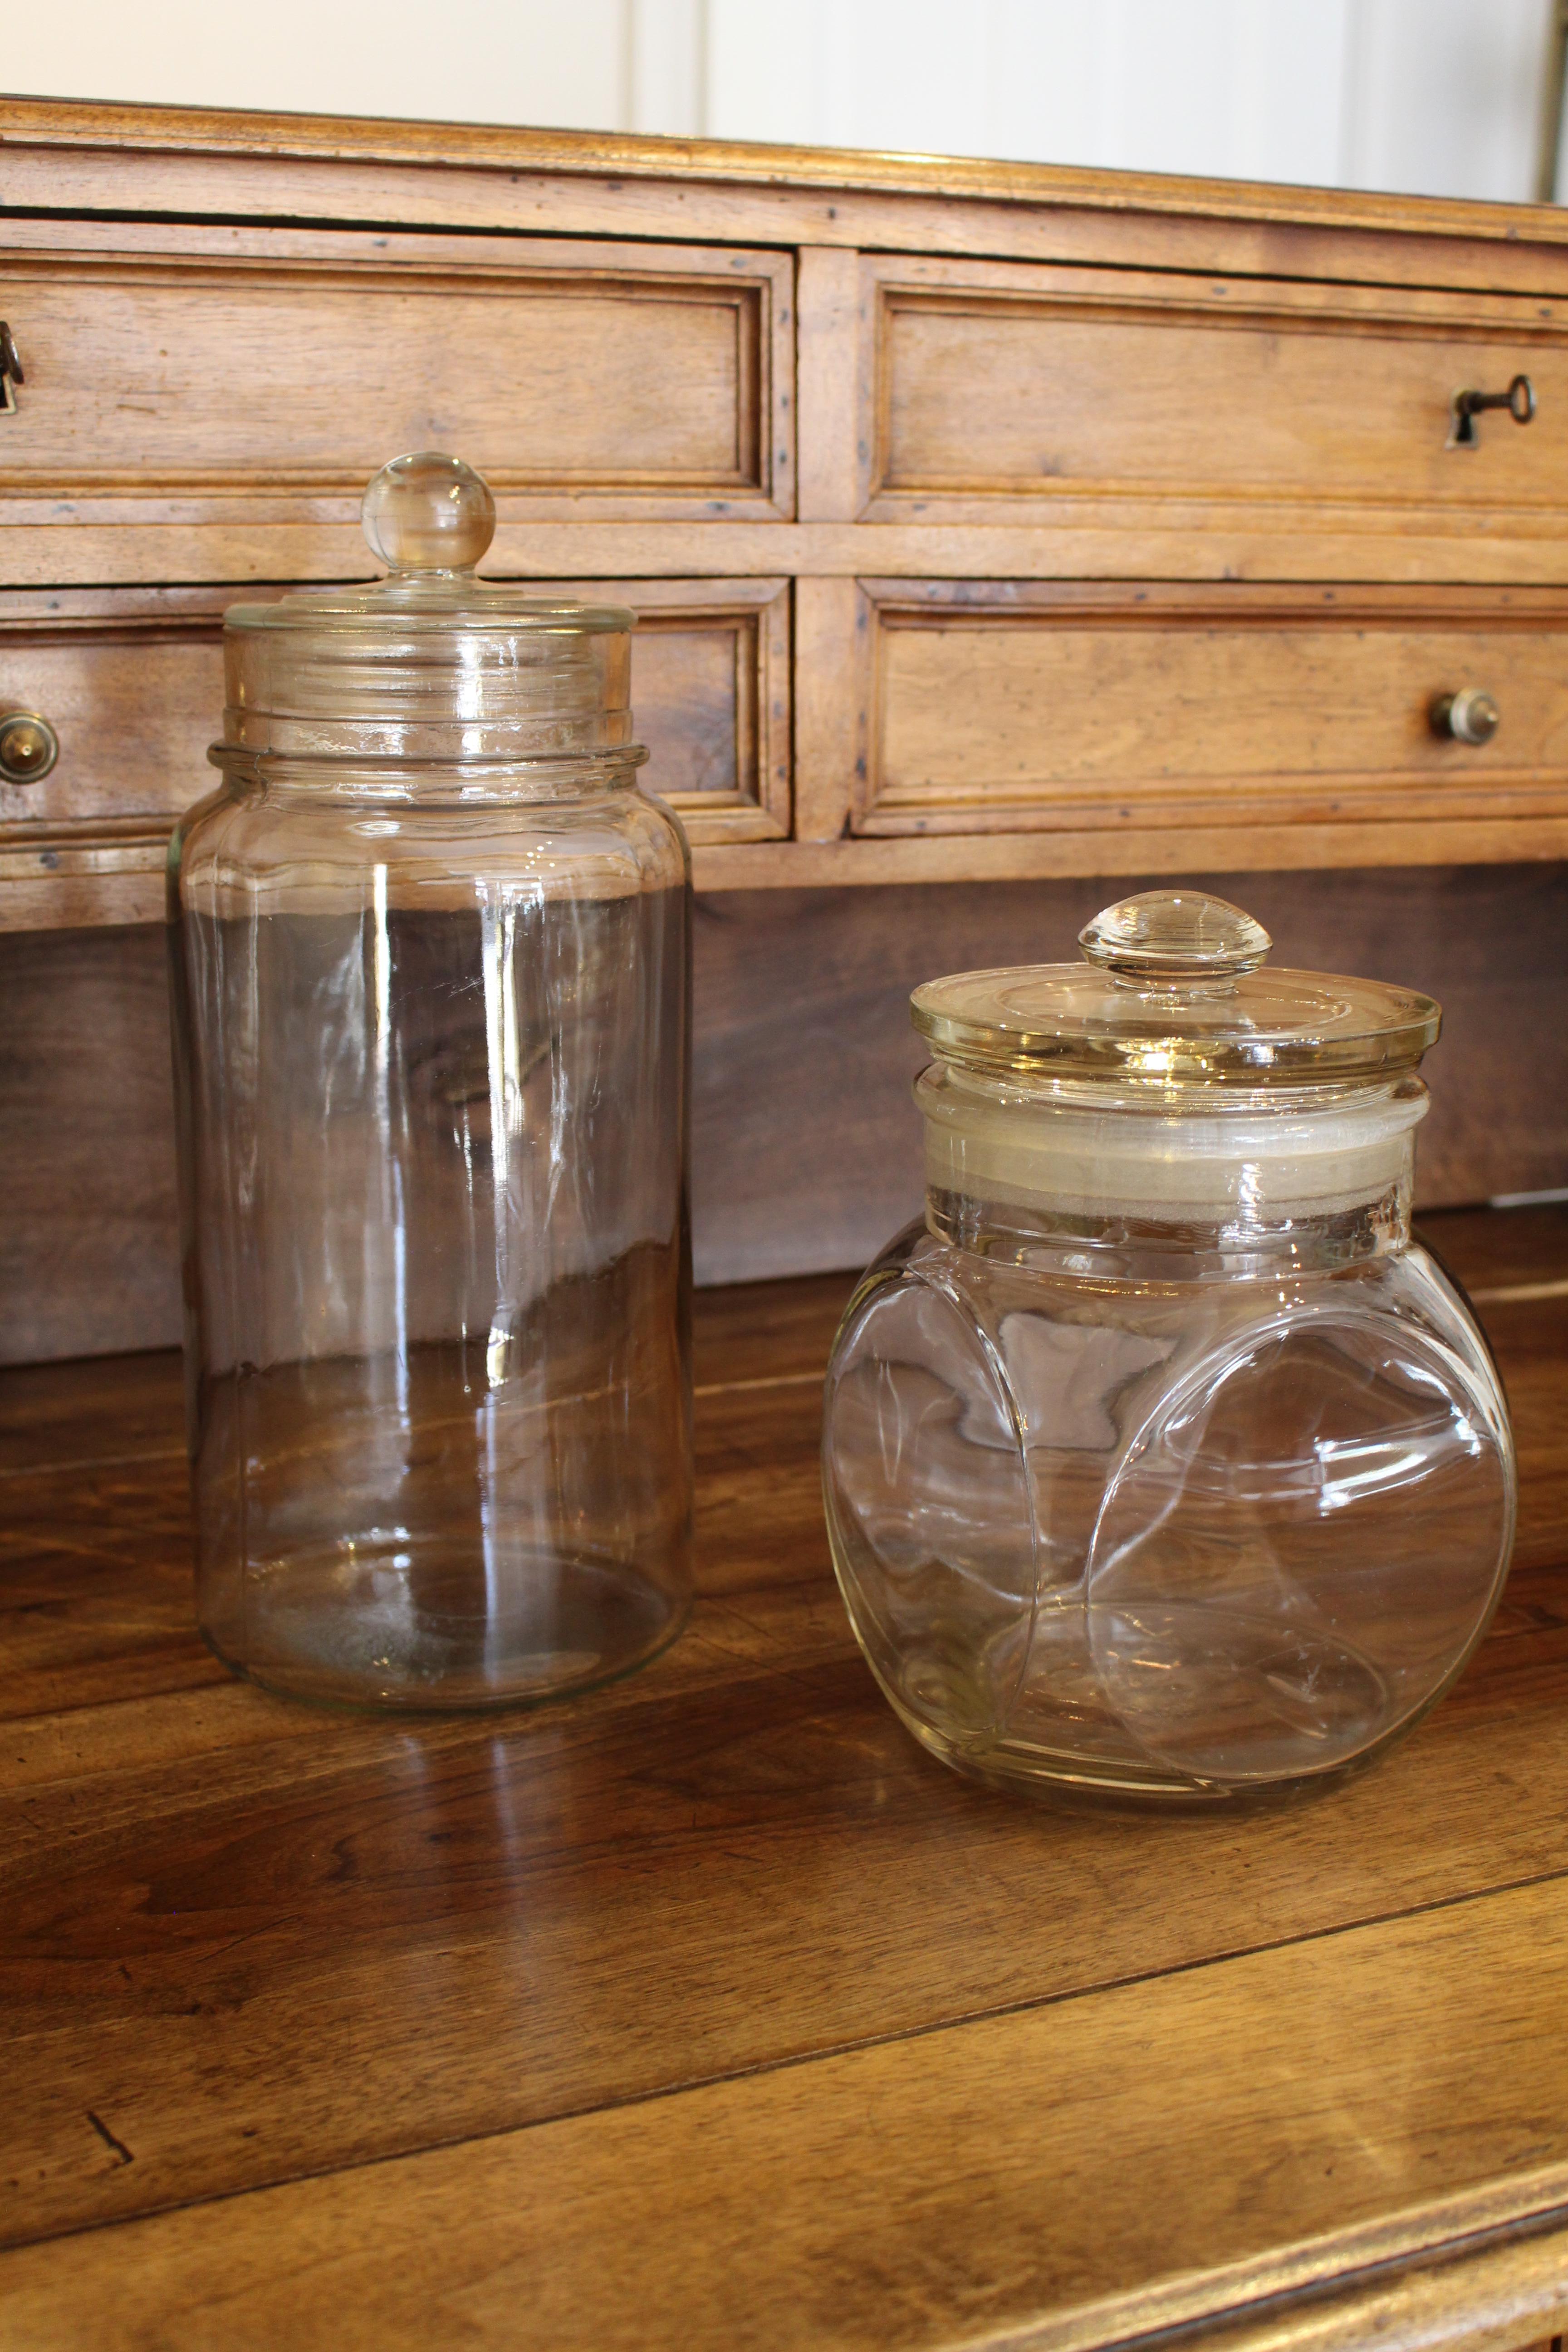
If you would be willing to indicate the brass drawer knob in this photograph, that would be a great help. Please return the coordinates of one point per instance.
(1468, 716)
(29, 747)
(1519, 400)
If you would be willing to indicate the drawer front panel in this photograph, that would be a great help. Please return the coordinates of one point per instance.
(134, 692)
(1000, 388)
(711, 693)
(584, 381)
(1017, 708)
(131, 680)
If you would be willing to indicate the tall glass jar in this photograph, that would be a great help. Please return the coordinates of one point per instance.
(1161, 1467)
(432, 1035)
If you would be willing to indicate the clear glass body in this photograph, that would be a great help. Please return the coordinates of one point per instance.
(431, 1053)
(1198, 1499)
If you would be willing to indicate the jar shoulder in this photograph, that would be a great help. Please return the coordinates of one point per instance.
(1398, 1302)
(1179, 1541)
(241, 841)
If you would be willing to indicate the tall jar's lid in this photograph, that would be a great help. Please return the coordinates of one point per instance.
(432, 662)
(1172, 993)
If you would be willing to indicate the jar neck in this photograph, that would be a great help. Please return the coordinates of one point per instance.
(1081, 1181)
(447, 783)
(1141, 1250)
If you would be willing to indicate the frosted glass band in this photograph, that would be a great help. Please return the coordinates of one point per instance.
(1265, 1167)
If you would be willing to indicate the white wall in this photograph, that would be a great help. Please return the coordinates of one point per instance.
(1435, 95)
(539, 61)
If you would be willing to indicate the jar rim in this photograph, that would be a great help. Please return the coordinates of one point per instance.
(431, 651)
(1172, 995)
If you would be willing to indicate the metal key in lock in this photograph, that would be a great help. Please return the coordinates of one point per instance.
(1519, 400)
(11, 374)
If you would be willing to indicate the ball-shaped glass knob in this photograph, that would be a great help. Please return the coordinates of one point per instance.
(1173, 936)
(428, 512)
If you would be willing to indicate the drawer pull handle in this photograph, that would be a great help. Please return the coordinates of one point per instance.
(29, 747)
(1468, 716)
(10, 369)
(1519, 400)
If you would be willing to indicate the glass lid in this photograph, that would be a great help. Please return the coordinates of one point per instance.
(432, 661)
(1172, 991)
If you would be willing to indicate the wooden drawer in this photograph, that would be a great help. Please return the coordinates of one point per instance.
(1002, 392)
(258, 378)
(131, 680)
(711, 692)
(1007, 707)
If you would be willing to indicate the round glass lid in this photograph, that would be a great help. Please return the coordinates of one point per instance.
(432, 659)
(1173, 990)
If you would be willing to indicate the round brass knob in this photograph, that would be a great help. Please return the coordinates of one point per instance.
(1470, 717)
(29, 747)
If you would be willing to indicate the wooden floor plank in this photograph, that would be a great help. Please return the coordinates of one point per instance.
(104, 1406)
(1488, 1254)
(244, 1943)
(766, 1330)
(197, 1880)
(1145, 2156)
(775, 1872)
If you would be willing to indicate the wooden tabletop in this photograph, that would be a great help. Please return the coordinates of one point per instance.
(707, 2010)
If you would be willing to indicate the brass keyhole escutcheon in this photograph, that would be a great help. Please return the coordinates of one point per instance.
(29, 747)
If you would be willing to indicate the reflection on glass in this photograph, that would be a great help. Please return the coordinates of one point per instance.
(1141, 1539)
(437, 1250)
(1160, 1464)
(430, 948)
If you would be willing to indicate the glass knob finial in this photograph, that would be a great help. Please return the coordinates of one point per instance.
(1170, 936)
(428, 512)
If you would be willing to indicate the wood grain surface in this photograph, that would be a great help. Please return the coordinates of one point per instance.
(833, 415)
(124, 538)
(630, 380)
(56, 127)
(1053, 708)
(1115, 383)
(983, 374)
(1125, 220)
(131, 681)
(63, 886)
(707, 2009)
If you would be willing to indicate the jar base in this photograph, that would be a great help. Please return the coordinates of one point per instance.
(417, 1642)
(1071, 1784)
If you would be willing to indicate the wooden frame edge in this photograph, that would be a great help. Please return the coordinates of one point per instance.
(47, 122)
(123, 884)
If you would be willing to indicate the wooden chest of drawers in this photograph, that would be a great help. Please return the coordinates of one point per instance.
(983, 521)
(994, 532)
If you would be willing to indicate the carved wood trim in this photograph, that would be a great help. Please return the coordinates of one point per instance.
(236, 268)
(1120, 400)
(1317, 712)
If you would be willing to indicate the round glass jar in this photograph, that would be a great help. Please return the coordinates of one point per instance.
(1161, 1466)
(431, 980)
